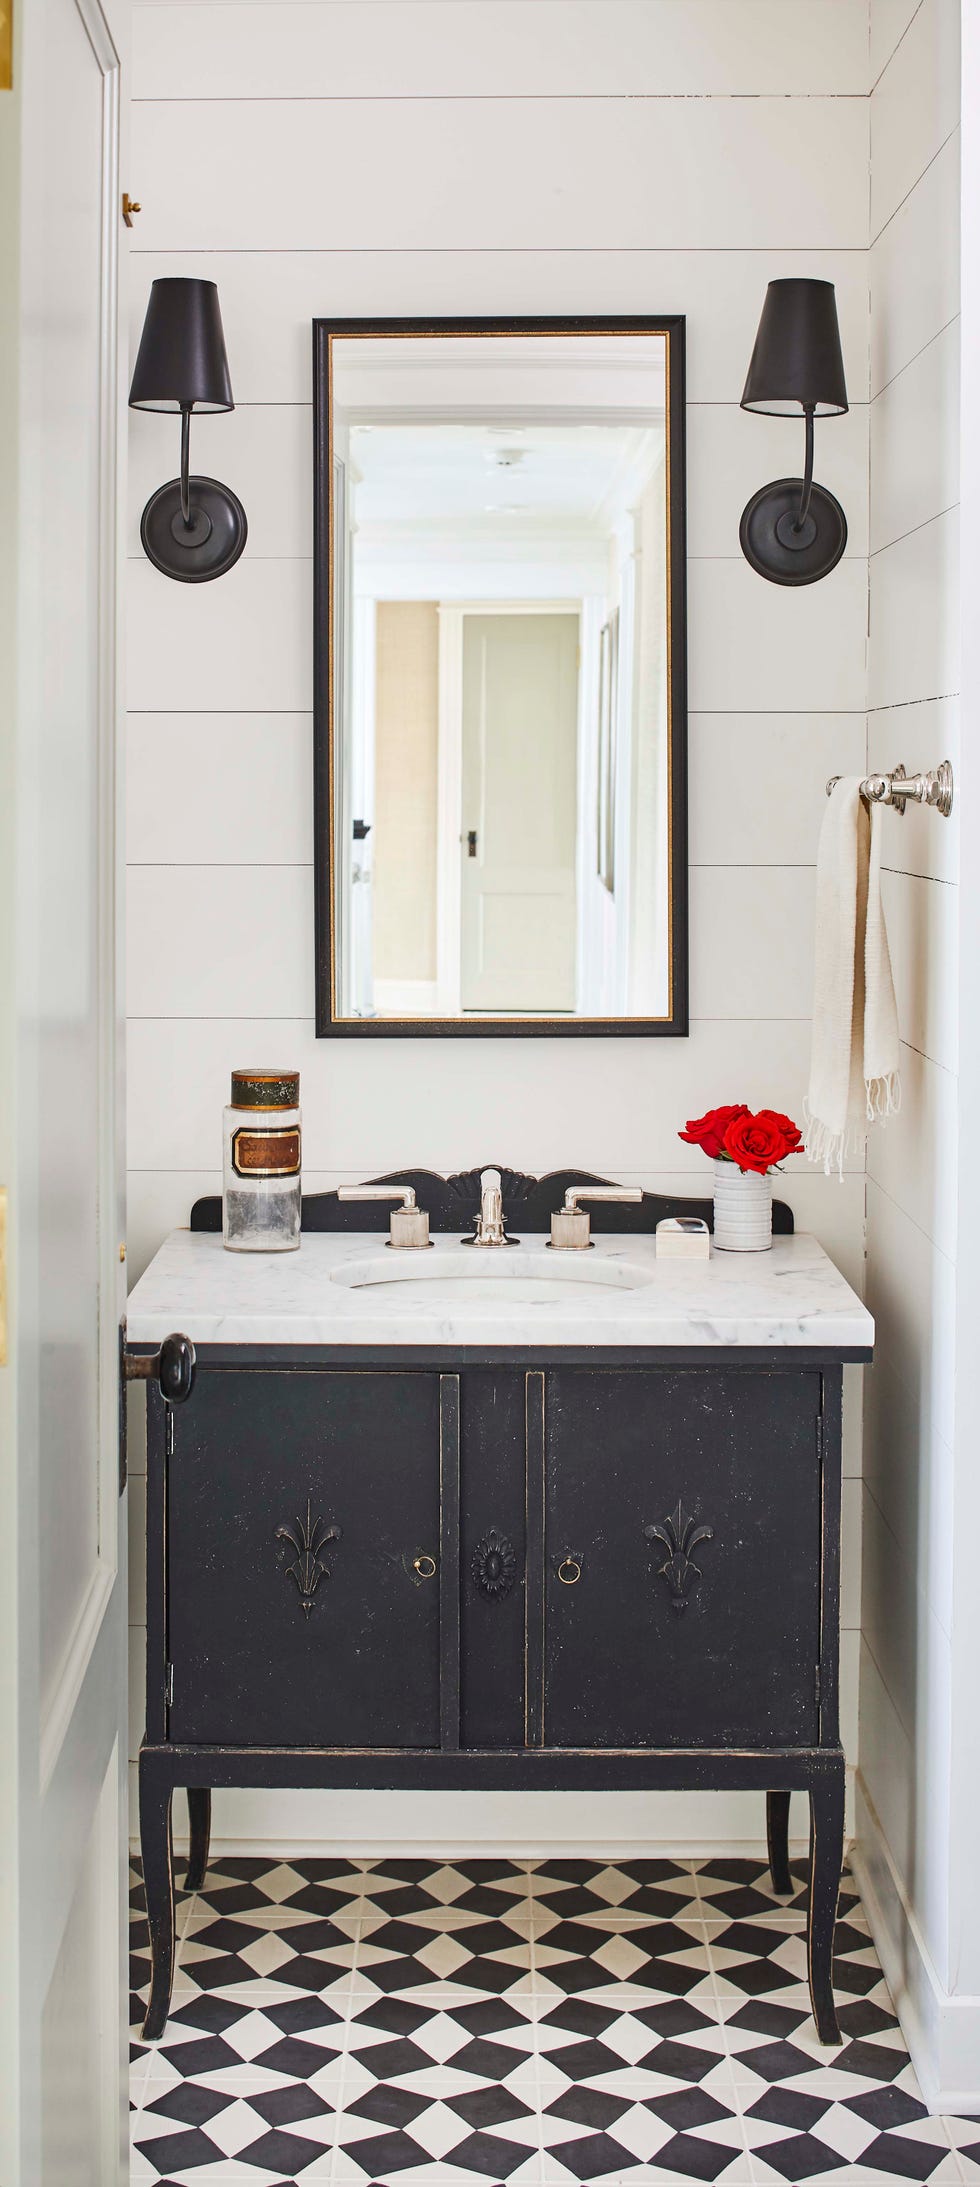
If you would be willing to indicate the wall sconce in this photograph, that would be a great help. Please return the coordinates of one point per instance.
(192, 528)
(794, 531)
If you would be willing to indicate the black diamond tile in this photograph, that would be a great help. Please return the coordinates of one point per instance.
(687, 2157)
(388, 2106)
(675, 2018)
(210, 2015)
(283, 2106)
(490, 2156)
(486, 2107)
(492, 2061)
(586, 2060)
(180, 2152)
(588, 2107)
(873, 2060)
(296, 2015)
(580, 2018)
(279, 2151)
(189, 2103)
(789, 2107)
(801, 2158)
(759, 2018)
(389, 2061)
(865, 2019)
(487, 2016)
(688, 2108)
(682, 2061)
(892, 2155)
(300, 2060)
(210, 2055)
(885, 2107)
(778, 2061)
(384, 2153)
(595, 2156)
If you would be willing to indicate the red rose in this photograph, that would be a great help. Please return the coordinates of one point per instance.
(758, 1142)
(708, 1132)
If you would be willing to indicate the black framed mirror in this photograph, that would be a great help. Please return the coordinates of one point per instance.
(500, 677)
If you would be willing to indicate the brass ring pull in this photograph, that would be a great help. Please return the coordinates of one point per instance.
(425, 1566)
(570, 1570)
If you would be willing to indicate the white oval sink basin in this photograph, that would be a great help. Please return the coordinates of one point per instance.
(499, 1275)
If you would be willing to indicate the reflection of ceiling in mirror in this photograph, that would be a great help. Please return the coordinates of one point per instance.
(535, 478)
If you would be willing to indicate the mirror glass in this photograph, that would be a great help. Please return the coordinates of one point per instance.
(501, 696)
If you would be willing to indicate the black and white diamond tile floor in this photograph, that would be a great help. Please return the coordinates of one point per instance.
(410, 2022)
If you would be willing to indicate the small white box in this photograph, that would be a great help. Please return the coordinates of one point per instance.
(683, 1238)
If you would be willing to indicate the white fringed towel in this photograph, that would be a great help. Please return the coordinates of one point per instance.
(855, 1054)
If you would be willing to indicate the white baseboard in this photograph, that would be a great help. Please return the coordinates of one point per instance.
(942, 2031)
(475, 1825)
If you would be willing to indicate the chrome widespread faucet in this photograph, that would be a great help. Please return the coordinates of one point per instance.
(490, 1228)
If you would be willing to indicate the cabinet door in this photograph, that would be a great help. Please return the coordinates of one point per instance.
(303, 1559)
(683, 1558)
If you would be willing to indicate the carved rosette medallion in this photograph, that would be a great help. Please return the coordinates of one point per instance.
(679, 1535)
(494, 1564)
(309, 1539)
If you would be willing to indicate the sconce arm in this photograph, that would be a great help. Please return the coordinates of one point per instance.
(807, 470)
(185, 464)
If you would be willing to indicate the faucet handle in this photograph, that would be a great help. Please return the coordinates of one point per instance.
(409, 1227)
(570, 1224)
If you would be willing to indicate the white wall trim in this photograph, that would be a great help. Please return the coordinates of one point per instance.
(942, 2031)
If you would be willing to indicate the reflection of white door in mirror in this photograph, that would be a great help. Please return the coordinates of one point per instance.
(503, 721)
(519, 739)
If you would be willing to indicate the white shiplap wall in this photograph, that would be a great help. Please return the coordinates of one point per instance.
(409, 156)
(908, 1644)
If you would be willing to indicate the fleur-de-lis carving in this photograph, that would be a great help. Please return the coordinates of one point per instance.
(679, 1535)
(309, 1541)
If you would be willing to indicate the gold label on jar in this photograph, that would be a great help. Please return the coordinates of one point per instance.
(273, 1153)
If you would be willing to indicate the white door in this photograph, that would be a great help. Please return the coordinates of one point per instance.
(62, 1564)
(518, 848)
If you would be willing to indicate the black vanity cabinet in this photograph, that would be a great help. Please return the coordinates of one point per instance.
(491, 1566)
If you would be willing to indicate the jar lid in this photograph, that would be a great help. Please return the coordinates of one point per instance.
(265, 1089)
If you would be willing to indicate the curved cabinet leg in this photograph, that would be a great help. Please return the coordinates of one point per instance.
(777, 1835)
(199, 1810)
(156, 1798)
(826, 1857)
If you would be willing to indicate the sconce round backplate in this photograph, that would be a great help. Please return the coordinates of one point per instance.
(771, 543)
(205, 549)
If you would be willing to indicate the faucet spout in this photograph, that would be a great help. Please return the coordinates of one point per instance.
(490, 1228)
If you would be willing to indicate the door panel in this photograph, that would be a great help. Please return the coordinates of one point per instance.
(520, 727)
(660, 1638)
(303, 1559)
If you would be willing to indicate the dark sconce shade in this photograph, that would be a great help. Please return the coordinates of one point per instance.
(193, 528)
(793, 531)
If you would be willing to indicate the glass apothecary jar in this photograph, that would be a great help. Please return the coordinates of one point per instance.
(262, 1195)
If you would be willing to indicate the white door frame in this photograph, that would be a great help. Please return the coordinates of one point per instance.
(449, 798)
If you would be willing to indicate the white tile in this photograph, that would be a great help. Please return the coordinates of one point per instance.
(752, 933)
(915, 269)
(890, 20)
(269, 298)
(381, 48)
(915, 441)
(245, 642)
(581, 174)
(922, 919)
(914, 621)
(850, 1577)
(914, 1156)
(915, 106)
(731, 453)
(219, 941)
(911, 1291)
(219, 789)
(744, 768)
(920, 735)
(907, 1638)
(265, 452)
(761, 648)
(137, 1549)
(909, 1473)
(369, 1106)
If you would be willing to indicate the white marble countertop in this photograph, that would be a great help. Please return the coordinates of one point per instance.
(617, 1294)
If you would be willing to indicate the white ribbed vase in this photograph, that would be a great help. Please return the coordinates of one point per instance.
(743, 1210)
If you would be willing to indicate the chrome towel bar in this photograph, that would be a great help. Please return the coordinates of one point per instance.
(933, 788)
